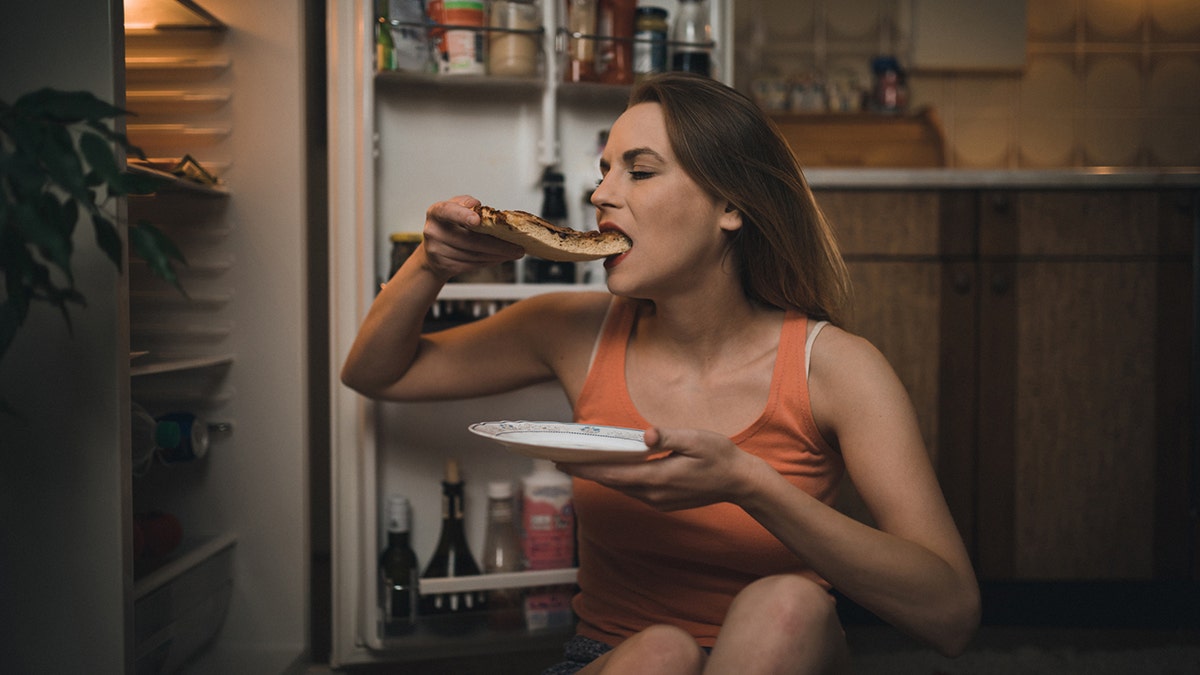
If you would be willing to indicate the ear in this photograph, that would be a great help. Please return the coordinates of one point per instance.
(731, 220)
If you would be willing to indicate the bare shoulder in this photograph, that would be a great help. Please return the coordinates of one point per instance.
(850, 380)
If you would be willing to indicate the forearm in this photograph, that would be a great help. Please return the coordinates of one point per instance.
(927, 595)
(388, 340)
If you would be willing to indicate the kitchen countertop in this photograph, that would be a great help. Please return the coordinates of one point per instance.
(1084, 178)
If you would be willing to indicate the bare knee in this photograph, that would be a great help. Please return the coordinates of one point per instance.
(794, 603)
(659, 649)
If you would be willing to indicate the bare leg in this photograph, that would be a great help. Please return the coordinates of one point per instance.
(657, 650)
(781, 625)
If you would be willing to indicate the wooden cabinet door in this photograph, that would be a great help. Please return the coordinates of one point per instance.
(899, 247)
(1080, 377)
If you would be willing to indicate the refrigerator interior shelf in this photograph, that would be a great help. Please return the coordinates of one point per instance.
(401, 78)
(172, 298)
(485, 582)
(192, 553)
(178, 365)
(455, 291)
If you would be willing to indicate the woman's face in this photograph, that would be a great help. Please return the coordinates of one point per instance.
(679, 231)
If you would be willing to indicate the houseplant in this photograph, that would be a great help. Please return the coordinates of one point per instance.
(59, 167)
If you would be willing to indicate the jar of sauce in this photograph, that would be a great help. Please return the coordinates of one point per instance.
(650, 42)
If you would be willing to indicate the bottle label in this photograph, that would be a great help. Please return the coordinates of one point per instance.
(549, 535)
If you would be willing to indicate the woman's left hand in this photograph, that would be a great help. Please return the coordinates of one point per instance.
(697, 469)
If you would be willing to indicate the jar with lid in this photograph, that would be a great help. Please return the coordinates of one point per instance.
(512, 40)
(691, 39)
(581, 41)
(650, 42)
(891, 91)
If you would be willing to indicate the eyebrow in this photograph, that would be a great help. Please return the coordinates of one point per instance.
(631, 155)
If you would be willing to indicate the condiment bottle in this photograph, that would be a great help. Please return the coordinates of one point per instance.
(502, 553)
(512, 53)
(554, 209)
(548, 528)
(397, 573)
(650, 42)
(452, 558)
(581, 41)
(614, 58)
(460, 48)
(692, 38)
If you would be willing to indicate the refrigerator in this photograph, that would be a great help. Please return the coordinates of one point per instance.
(399, 141)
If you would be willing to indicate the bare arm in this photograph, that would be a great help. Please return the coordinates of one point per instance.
(391, 359)
(913, 571)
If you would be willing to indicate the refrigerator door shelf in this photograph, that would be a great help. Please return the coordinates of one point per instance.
(509, 291)
(485, 582)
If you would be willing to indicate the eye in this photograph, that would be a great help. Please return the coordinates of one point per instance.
(641, 175)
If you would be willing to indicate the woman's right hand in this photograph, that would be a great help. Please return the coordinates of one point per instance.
(452, 248)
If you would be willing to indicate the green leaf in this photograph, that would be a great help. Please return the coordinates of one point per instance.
(108, 239)
(118, 138)
(12, 316)
(134, 183)
(99, 156)
(66, 106)
(43, 229)
(158, 251)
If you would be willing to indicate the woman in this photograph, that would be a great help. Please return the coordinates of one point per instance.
(717, 556)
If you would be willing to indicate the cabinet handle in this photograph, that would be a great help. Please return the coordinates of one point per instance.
(1000, 283)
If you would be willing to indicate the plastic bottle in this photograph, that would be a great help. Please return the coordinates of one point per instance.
(502, 553)
(452, 558)
(397, 573)
(385, 49)
(548, 527)
(692, 38)
(460, 50)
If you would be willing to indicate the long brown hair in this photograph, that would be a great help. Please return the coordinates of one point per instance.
(785, 250)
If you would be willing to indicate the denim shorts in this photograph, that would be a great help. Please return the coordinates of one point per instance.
(578, 652)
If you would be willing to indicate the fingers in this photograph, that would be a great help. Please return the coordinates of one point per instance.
(450, 243)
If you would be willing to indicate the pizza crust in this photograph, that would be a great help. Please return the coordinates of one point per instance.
(543, 239)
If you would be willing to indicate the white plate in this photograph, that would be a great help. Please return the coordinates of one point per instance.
(562, 442)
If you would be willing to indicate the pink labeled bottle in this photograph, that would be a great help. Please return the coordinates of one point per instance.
(548, 542)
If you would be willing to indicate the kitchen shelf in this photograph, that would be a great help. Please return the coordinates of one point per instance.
(184, 67)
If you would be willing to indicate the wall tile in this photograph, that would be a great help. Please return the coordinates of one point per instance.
(1172, 141)
(1112, 81)
(1051, 86)
(1052, 20)
(1113, 20)
(1112, 139)
(1174, 84)
(1046, 141)
(1175, 20)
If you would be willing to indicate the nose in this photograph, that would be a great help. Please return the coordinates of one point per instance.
(603, 194)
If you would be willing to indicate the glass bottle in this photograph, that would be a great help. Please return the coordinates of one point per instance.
(385, 48)
(554, 209)
(614, 56)
(581, 42)
(452, 558)
(512, 53)
(691, 38)
(502, 553)
(397, 573)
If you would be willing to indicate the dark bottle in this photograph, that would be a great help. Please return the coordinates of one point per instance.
(502, 553)
(554, 209)
(397, 573)
(452, 558)
(691, 49)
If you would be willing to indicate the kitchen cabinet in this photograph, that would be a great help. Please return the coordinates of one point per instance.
(1044, 336)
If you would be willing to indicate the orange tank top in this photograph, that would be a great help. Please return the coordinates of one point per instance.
(639, 567)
